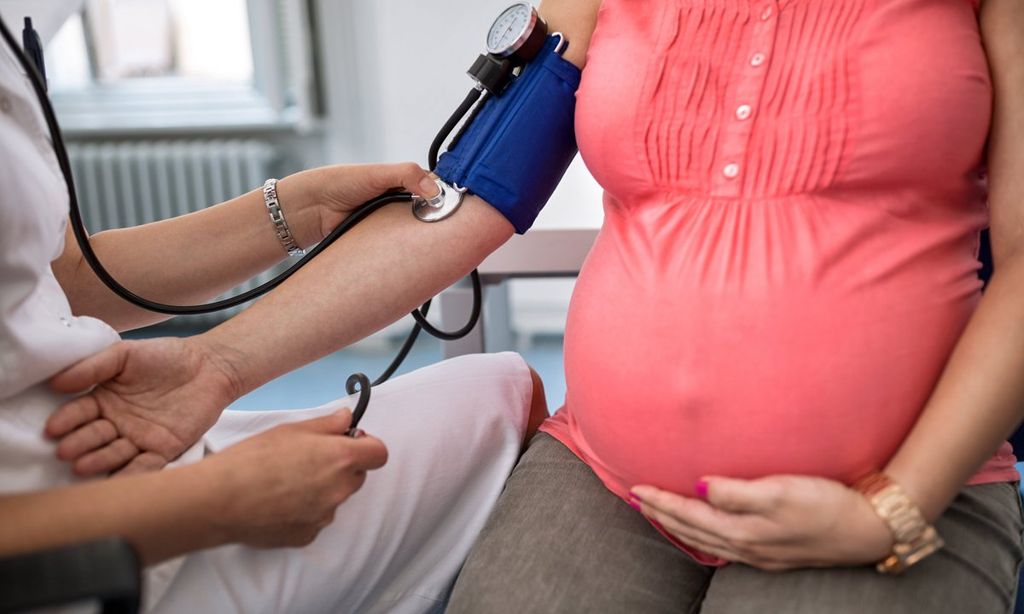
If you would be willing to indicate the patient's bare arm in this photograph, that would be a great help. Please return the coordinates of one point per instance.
(159, 396)
(576, 19)
(382, 269)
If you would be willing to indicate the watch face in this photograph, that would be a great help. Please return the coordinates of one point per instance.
(511, 29)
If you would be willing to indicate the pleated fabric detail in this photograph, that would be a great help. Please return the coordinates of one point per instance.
(726, 118)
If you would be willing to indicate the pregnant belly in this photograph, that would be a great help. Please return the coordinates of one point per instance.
(671, 378)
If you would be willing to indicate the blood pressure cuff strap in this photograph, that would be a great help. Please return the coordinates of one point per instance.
(516, 150)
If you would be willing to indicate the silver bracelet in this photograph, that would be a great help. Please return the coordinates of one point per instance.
(284, 234)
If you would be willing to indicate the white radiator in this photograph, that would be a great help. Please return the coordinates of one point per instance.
(131, 183)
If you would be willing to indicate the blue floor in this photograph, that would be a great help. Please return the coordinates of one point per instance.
(323, 381)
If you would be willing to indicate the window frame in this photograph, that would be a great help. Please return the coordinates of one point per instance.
(279, 98)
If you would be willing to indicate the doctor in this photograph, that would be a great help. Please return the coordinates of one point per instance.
(242, 481)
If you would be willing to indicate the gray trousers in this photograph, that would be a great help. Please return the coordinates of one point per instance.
(558, 541)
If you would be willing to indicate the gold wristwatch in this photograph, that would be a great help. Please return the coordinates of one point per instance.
(915, 538)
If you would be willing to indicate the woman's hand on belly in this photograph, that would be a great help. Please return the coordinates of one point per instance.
(148, 402)
(773, 523)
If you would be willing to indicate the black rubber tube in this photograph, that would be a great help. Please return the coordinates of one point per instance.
(357, 216)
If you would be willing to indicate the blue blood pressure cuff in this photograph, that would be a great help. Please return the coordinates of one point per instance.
(516, 150)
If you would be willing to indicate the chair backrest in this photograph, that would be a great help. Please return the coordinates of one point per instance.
(985, 256)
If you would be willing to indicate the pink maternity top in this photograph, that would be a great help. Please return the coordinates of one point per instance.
(793, 197)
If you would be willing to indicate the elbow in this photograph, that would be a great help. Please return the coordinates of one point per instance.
(68, 271)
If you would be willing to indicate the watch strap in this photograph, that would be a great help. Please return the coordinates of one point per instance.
(914, 537)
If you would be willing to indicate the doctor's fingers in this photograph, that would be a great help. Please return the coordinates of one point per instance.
(96, 369)
(147, 461)
(363, 453)
(111, 457)
(336, 423)
(328, 438)
(92, 436)
(409, 175)
(72, 415)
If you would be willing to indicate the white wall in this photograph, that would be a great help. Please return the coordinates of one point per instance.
(398, 68)
(394, 71)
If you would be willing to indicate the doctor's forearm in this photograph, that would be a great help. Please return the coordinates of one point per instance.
(378, 272)
(162, 514)
(182, 260)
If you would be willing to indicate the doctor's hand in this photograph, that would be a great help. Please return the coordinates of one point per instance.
(327, 195)
(147, 402)
(281, 487)
(773, 523)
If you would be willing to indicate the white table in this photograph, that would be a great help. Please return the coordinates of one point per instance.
(539, 253)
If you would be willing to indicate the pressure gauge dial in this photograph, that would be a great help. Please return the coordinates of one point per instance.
(518, 33)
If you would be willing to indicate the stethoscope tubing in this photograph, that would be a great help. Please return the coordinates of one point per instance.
(357, 216)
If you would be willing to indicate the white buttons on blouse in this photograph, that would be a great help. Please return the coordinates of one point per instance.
(737, 134)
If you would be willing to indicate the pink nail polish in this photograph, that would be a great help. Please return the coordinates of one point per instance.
(634, 496)
(635, 505)
(701, 488)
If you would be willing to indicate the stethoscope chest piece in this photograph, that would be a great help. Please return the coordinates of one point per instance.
(441, 206)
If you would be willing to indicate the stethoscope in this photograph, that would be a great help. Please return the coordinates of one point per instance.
(514, 39)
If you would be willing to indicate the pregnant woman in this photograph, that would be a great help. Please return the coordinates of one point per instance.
(783, 301)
